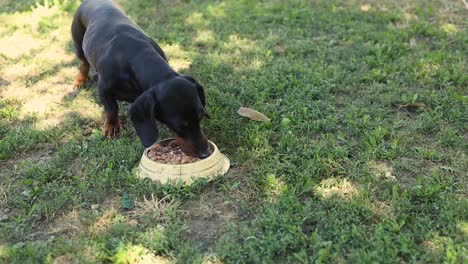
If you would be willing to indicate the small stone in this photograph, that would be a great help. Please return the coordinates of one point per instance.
(389, 176)
(19, 244)
(37, 217)
(133, 222)
(87, 131)
(27, 193)
(7, 211)
(94, 206)
(3, 217)
(280, 48)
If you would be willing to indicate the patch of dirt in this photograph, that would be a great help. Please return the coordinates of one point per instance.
(18, 44)
(64, 259)
(109, 208)
(341, 98)
(150, 258)
(3, 195)
(42, 154)
(429, 246)
(382, 208)
(43, 82)
(41, 104)
(154, 208)
(19, 72)
(213, 213)
(3, 82)
(383, 170)
(75, 168)
(103, 223)
(56, 55)
(211, 259)
(409, 170)
(68, 224)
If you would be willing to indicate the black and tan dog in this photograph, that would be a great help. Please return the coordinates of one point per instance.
(133, 68)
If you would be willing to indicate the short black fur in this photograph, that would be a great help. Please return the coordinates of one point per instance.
(132, 67)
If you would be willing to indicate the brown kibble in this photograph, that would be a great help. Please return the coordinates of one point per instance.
(185, 160)
(173, 144)
(151, 154)
(169, 154)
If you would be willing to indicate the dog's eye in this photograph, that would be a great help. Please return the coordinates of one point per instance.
(185, 124)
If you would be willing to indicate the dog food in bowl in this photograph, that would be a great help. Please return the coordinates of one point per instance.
(169, 154)
(212, 166)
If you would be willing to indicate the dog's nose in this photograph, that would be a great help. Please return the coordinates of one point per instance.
(204, 154)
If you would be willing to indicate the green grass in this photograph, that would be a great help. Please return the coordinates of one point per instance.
(342, 173)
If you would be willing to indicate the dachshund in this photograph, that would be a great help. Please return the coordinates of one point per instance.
(132, 67)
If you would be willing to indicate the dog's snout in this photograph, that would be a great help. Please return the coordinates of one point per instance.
(204, 154)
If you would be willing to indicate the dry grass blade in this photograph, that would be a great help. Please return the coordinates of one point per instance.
(154, 207)
(252, 114)
(3, 194)
(466, 4)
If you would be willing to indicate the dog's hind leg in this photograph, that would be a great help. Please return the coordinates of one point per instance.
(78, 30)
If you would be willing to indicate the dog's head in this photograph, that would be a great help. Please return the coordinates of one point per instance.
(179, 103)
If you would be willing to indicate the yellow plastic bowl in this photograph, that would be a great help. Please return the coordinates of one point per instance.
(214, 165)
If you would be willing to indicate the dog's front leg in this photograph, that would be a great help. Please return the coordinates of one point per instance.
(112, 125)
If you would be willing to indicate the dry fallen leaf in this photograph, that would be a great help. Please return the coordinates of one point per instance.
(252, 114)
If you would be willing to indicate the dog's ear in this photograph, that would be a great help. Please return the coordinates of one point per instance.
(200, 89)
(142, 114)
(201, 94)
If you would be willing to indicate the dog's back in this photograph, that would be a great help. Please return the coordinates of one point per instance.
(133, 68)
(93, 11)
(98, 22)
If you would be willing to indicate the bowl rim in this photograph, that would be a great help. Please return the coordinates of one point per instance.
(215, 149)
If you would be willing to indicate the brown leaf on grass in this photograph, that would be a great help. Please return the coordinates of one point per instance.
(414, 107)
(252, 114)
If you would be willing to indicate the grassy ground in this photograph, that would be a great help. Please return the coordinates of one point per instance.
(364, 160)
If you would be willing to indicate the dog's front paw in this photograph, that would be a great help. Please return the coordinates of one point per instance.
(112, 130)
(80, 80)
